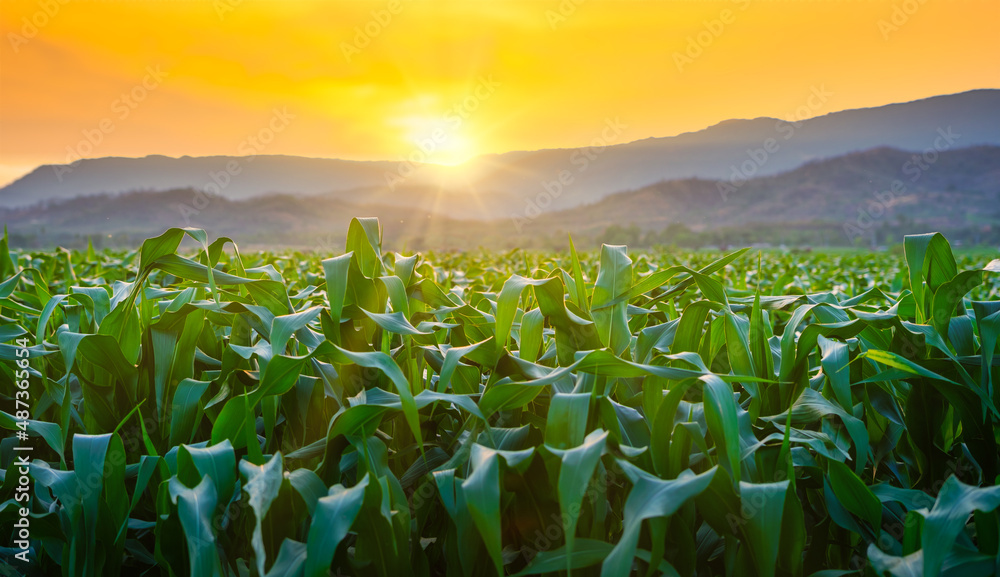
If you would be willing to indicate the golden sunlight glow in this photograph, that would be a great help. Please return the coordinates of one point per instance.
(434, 139)
(378, 79)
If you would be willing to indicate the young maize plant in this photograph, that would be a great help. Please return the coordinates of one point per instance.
(498, 414)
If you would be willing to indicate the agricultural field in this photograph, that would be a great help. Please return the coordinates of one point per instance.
(187, 409)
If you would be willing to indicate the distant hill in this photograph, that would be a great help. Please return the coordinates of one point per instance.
(959, 191)
(501, 185)
(961, 187)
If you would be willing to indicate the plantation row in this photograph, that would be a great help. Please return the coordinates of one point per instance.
(498, 414)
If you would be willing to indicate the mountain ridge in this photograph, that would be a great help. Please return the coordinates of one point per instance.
(492, 186)
(825, 198)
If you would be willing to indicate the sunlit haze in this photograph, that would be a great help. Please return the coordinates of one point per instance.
(442, 81)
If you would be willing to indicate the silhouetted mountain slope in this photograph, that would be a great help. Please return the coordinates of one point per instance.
(501, 185)
(959, 189)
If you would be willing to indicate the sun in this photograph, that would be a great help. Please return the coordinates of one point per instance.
(454, 150)
(437, 139)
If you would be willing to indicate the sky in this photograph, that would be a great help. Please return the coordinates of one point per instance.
(446, 80)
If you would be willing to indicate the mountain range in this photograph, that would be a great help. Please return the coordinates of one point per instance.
(943, 151)
(836, 199)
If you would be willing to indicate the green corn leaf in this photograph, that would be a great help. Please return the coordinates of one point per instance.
(948, 516)
(649, 498)
(196, 507)
(578, 465)
(854, 495)
(332, 519)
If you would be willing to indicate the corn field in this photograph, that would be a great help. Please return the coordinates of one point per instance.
(191, 411)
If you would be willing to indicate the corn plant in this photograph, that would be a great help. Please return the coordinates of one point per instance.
(198, 412)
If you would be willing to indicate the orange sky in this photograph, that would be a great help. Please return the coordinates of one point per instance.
(479, 76)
